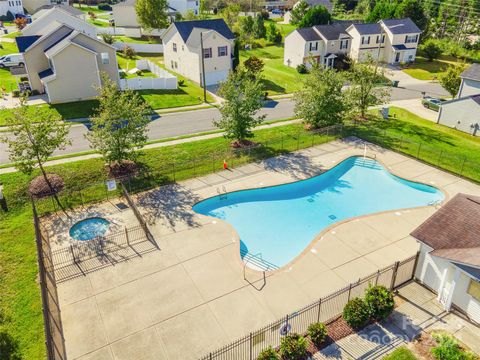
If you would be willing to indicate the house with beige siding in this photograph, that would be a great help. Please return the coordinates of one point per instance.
(66, 64)
(390, 41)
(33, 5)
(449, 259)
(182, 47)
(463, 112)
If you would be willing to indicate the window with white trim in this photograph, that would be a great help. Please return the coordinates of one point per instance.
(314, 46)
(105, 58)
(365, 40)
(222, 51)
(409, 39)
(207, 53)
(343, 44)
(174, 45)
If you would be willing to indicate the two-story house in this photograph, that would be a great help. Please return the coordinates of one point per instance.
(318, 44)
(33, 5)
(390, 41)
(185, 42)
(66, 63)
(13, 7)
(463, 112)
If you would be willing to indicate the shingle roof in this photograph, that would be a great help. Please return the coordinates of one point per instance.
(401, 26)
(59, 40)
(367, 29)
(333, 32)
(399, 47)
(309, 34)
(69, 9)
(185, 27)
(476, 98)
(473, 272)
(453, 231)
(24, 42)
(473, 72)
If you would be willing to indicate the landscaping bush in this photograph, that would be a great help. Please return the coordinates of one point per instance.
(302, 69)
(24, 79)
(181, 82)
(108, 39)
(35, 92)
(128, 52)
(448, 348)
(268, 354)
(317, 332)
(293, 347)
(379, 301)
(265, 14)
(104, 7)
(16, 93)
(431, 50)
(356, 313)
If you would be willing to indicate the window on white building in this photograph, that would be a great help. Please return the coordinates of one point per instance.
(382, 39)
(105, 58)
(474, 289)
(313, 46)
(207, 53)
(343, 44)
(174, 47)
(365, 40)
(222, 51)
(411, 39)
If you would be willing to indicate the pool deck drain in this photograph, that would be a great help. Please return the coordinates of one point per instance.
(158, 305)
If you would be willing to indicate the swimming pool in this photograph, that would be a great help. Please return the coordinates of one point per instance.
(279, 222)
(89, 229)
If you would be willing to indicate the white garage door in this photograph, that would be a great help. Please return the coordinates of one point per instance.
(214, 77)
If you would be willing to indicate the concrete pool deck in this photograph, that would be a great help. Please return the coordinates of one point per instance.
(190, 297)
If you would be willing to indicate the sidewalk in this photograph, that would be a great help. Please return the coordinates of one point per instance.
(417, 311)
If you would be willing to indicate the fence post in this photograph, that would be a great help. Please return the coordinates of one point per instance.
(282, 142)
(213, 163)
(394, 275)
(376, 279)
(463, 164)
(173, 171)
(73, 254)
(440, 157)
(418, 152)
(210, 357)
(251, 346)
(126, 235)
(319, 309)
(298, 140)
(349, 291)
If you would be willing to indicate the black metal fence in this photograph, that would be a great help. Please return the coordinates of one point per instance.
(324, 310)
(51, 310)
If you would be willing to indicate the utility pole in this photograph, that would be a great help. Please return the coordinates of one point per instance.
(203, 69)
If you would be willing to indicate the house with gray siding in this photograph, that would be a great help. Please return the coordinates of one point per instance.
(463, 112)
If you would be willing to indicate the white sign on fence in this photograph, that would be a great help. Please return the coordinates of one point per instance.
(111, 185)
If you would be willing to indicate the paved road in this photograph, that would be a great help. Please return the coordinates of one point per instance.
(183, 123)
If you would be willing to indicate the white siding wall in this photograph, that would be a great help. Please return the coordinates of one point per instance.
(461, 114)
(469, 87)
(464, 301)
(295, 50)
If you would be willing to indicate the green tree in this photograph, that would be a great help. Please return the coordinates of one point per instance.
(413, 9)
(363, 91)
(451, 80)
(119, 126)
(190, 15)
(316, 15)
(243, 98)
(321, 102)
(254, 65)
(230, 14)
(152, 14)
(246, 26)
(236, 54)
(203, 9)
(259, 30)
(382, 10)
(35, 135)
(298, 12)
(273, 35)
(431, 50)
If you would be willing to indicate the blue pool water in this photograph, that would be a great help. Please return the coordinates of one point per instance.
(89, 229)
(279, 222)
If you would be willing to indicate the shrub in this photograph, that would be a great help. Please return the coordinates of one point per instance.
(128, 52)
(431, 50)
(139, 72)
(24, 78)
(317, 332)
(268, 354)
(265, 14)
(181, 82)
(108, 39)
(16, 93)
(293, 347)
(35, 92)
(273, 34)
(302, 69)
(104, 7)
(379, 301)
(356, 313)
(448, 348)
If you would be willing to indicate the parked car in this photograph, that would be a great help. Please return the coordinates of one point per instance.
(277, 12)
(11, 60)
(432, 103)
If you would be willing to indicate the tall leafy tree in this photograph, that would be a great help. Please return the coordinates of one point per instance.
(316, 15)
(230, 14)
(243, 96)
(413, 9)
(259, 30)
(36, 134)
(451, 80)
(382, 10)
(431, 50)
(298, 12)
(364, 91)
(119, 126)
(321, 102)
(152, 14)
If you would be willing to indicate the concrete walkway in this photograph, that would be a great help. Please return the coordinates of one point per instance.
(417, 311)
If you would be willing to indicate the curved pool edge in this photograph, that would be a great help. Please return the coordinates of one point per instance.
(326, 229)
(72, 239)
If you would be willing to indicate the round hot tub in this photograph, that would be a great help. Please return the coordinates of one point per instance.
(89, 229)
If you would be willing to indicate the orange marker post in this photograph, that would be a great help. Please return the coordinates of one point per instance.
(225, 165)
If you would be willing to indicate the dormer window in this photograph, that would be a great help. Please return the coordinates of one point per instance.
(313, 46)
(409, 39)
(365, 40)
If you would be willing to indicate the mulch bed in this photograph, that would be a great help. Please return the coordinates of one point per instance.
(126, 168)
(337, 329)
(39, 188)
(244, 144)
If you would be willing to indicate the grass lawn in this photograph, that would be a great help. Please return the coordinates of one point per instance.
(88, 9)
(279, 79)
(402, 353)
(7, 79)
(98, 23)
(285, 29)
(143, 40)
(12, 35)
(423, 69)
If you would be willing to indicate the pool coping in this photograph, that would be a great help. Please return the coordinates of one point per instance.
(318, 237)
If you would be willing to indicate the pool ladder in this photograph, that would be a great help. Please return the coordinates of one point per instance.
(222, 193)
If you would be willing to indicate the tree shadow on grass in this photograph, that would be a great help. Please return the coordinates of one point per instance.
(8, 347)
(271, 86)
